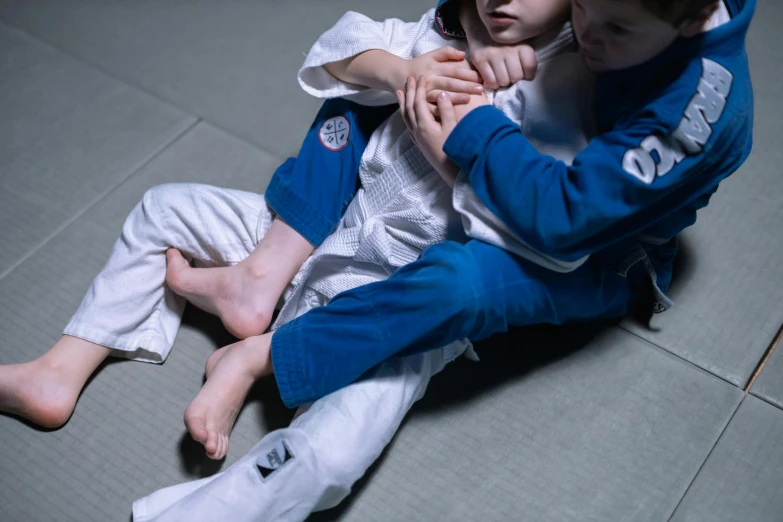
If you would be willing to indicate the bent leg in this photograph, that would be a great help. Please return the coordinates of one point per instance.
(452, 292)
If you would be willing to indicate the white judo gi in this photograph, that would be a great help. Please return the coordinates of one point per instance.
(402, 207)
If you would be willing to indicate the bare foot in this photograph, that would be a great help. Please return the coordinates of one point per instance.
(211, 415)
(240, 295)
(44, 391)
(213, 359)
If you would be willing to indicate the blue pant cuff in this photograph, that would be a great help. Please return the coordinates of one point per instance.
(297, 212)
(288, 365)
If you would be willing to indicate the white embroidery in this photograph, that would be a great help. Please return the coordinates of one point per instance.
(705, 108)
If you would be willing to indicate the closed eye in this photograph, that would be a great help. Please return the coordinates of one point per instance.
(617, 29)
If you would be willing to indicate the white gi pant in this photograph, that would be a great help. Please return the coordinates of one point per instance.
(291, 472)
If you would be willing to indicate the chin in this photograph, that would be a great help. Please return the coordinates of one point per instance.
(597, 67)
(506, 38)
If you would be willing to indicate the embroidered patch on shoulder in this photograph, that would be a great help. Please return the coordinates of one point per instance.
(274, 460)
(334, 133)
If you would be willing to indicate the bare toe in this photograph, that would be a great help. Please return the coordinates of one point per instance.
(196, 426)
(176, 264)
(212, 413)
(213, 444)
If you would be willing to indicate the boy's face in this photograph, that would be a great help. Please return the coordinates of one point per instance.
(512, 21)
(617, 34)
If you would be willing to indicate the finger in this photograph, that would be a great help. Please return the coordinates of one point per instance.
(448, 119)
(410, 99)
(514, 68)
(462, 71)
(454, 85)
(501, 74)
(457, 98)
(423, 113)
(401, 102)
(490, 82)
(448, 54)
(527, 56)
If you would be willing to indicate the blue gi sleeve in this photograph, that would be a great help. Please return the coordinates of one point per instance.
(636, 174)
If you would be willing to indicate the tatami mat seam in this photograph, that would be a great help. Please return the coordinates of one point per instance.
(145, 90)
(722, 431)
(677, 356)
(773, 345)
(146, 161)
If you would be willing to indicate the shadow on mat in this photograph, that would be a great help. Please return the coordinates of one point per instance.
(506, 357)
(684, 264)
(503, 358)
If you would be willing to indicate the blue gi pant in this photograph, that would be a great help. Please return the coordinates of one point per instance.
(312, 191)
(451, 292)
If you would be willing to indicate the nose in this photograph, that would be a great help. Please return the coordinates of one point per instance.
(494, 4)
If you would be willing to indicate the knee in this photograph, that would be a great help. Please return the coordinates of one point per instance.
(152, 214)
(162, 201)
(152, 202)
(454, 276)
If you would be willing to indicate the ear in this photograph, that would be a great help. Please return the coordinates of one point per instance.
(693, 26)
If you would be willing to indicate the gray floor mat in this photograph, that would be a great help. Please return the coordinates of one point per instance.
(741, 479)
(125, 439)
(614, 431)
(769, 385)
(68, 134)
(729, 286)
(232, 63)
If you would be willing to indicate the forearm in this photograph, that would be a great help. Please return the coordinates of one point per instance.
(376, 69)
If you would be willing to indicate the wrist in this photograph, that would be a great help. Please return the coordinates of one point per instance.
(448, 172)
(394, 72)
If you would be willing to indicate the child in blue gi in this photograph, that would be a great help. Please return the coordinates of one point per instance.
(674, 107)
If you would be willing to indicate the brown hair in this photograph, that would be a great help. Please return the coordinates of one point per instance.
(676, 11)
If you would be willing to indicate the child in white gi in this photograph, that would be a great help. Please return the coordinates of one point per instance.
(223, 227)
(403, 205)
(600, 21)
(312, 464)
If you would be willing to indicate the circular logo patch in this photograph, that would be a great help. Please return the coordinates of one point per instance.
(334, 133)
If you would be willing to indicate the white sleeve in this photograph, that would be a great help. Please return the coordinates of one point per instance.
(353, 34)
